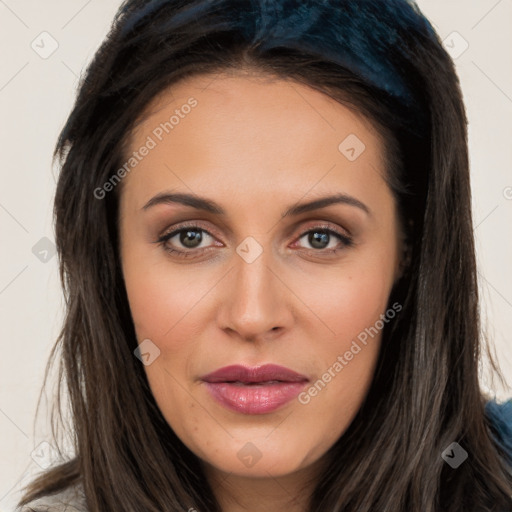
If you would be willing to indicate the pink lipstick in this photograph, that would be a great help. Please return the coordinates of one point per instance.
(256, 390)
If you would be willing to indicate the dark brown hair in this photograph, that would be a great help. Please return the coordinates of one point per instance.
(425, 393)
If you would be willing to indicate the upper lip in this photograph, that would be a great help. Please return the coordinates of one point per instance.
(246, 374)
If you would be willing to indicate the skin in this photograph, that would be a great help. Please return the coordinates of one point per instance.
(256, 146)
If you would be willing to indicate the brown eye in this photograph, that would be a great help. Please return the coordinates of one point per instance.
(190, 238)
(320, 238)
(185, 240)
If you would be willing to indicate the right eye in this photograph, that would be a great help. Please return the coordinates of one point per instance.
(183, 240)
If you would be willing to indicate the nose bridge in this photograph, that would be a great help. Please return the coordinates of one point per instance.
(255, 302)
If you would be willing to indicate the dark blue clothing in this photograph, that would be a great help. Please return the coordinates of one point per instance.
(501, 419)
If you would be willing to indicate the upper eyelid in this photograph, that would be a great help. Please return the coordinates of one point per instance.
(169, 233)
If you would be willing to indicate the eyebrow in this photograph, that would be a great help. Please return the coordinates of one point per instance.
(207, 205)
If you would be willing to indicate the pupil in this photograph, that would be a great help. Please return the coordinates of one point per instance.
(187, 238)
(319, 239)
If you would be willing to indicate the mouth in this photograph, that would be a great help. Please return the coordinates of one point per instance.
(257, 390)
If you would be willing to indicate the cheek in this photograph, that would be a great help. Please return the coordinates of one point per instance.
(162, 301)
(348, 300)
(353, 302)
(164, 305)
(352, 307)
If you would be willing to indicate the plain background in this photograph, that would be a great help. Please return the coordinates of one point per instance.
(36, 95)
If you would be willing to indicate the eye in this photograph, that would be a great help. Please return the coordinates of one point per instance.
(184, 241)
(325, 239)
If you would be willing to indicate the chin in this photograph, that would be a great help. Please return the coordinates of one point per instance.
(260, 458)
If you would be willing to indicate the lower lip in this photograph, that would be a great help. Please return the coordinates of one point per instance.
(255, 398)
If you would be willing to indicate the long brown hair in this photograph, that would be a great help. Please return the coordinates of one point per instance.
(425, 393)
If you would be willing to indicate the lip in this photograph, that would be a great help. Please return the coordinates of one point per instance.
(254, 390)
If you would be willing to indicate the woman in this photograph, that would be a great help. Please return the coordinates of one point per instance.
(264, 225)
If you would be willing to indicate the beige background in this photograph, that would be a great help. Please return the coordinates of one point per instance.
(35, 98)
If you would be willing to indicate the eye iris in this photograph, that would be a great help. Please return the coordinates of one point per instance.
(319, 237)
(189, 237)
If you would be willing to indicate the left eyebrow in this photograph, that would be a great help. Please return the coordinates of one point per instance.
(323, 202)
(201, 203)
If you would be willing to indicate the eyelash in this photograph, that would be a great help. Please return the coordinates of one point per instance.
(345, 240)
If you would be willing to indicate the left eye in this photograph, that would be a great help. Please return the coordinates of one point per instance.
(320, 238)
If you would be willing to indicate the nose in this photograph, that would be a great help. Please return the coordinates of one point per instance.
(255, 301)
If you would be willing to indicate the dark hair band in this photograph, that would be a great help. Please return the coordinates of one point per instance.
(373, 39)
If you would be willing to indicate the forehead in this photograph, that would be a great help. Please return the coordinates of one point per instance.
(245, 133)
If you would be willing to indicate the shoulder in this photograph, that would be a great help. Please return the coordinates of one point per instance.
(71, 499)
(500, 418)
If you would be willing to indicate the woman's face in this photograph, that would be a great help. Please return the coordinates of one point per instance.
(265, 269)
